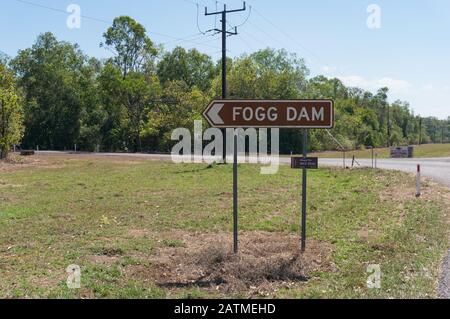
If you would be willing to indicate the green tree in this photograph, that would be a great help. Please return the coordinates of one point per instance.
(93, 115)
(133, 49)
(50, 74)
(268, 74)
(180, 107)
(132, 94)
(11, 116)
(192, 67)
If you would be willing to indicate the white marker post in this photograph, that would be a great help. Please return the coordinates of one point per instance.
(418, 186)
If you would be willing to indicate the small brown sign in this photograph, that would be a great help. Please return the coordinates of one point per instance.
(402, 152)
(302, 163)
(308, 114)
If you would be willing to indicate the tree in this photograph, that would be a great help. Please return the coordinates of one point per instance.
(138, 85)
(131, 103)
(114, 129)
(11, 116)
(180, 107)
(50, 75)
(93, 114)
(192, 67)
(268, 74)
(133, 49)
(4, 58)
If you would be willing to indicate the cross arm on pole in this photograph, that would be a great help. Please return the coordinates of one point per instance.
(228, 32)
(239, 10)
(225, 10)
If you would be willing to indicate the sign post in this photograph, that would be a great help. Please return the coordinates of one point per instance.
(303, 114)
(305, 171)
(235, 196)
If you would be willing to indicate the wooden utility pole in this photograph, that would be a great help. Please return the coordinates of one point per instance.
(225, 34)
(420, 130)
(388, 125)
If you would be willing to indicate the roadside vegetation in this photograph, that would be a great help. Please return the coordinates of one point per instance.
(135, 99)
(143, 229)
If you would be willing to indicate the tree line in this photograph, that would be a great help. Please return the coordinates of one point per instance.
(53, 96)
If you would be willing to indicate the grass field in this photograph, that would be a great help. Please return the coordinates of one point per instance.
(142, 229)
(426, 150)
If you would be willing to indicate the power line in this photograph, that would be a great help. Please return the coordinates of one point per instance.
(225, 33)
(267, 34)
(60, 10)
(246, 19)
(287, 35)
(255, 38)
(244, 41)
(193, 37)
(207, 41)
(315, 57)
(198, 24)
(110, 22)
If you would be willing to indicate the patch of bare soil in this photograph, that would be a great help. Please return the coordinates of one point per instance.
(103, 259)
(15, 163)
(94, 158)
(266, 262)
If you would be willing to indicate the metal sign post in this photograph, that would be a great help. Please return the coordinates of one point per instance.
(235, 195)
(302, 114)
(372, 155)
(305, 170)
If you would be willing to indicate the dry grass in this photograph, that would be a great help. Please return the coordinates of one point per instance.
(266, 262)
(155, 230)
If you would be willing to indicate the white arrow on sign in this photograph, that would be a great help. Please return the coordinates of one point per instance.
(213, 114)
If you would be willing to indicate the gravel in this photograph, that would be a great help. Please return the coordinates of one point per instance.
(444, 282)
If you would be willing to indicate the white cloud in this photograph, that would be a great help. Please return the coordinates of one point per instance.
(394, 85)
(329, 69)
(426, 99)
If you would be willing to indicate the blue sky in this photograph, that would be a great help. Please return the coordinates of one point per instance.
(410, 53)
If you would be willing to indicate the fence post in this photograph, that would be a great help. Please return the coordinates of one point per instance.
(343, 158)
(418, 186)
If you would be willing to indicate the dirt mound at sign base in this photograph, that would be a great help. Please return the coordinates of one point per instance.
(265, 263)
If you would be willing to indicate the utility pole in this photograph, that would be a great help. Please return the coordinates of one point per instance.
(388, 125)
(225, 34)
(420, 130)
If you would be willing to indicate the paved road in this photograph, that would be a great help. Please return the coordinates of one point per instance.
(437, 169)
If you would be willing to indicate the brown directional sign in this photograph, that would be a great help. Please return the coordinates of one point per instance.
(270, 113)
(302, 162)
